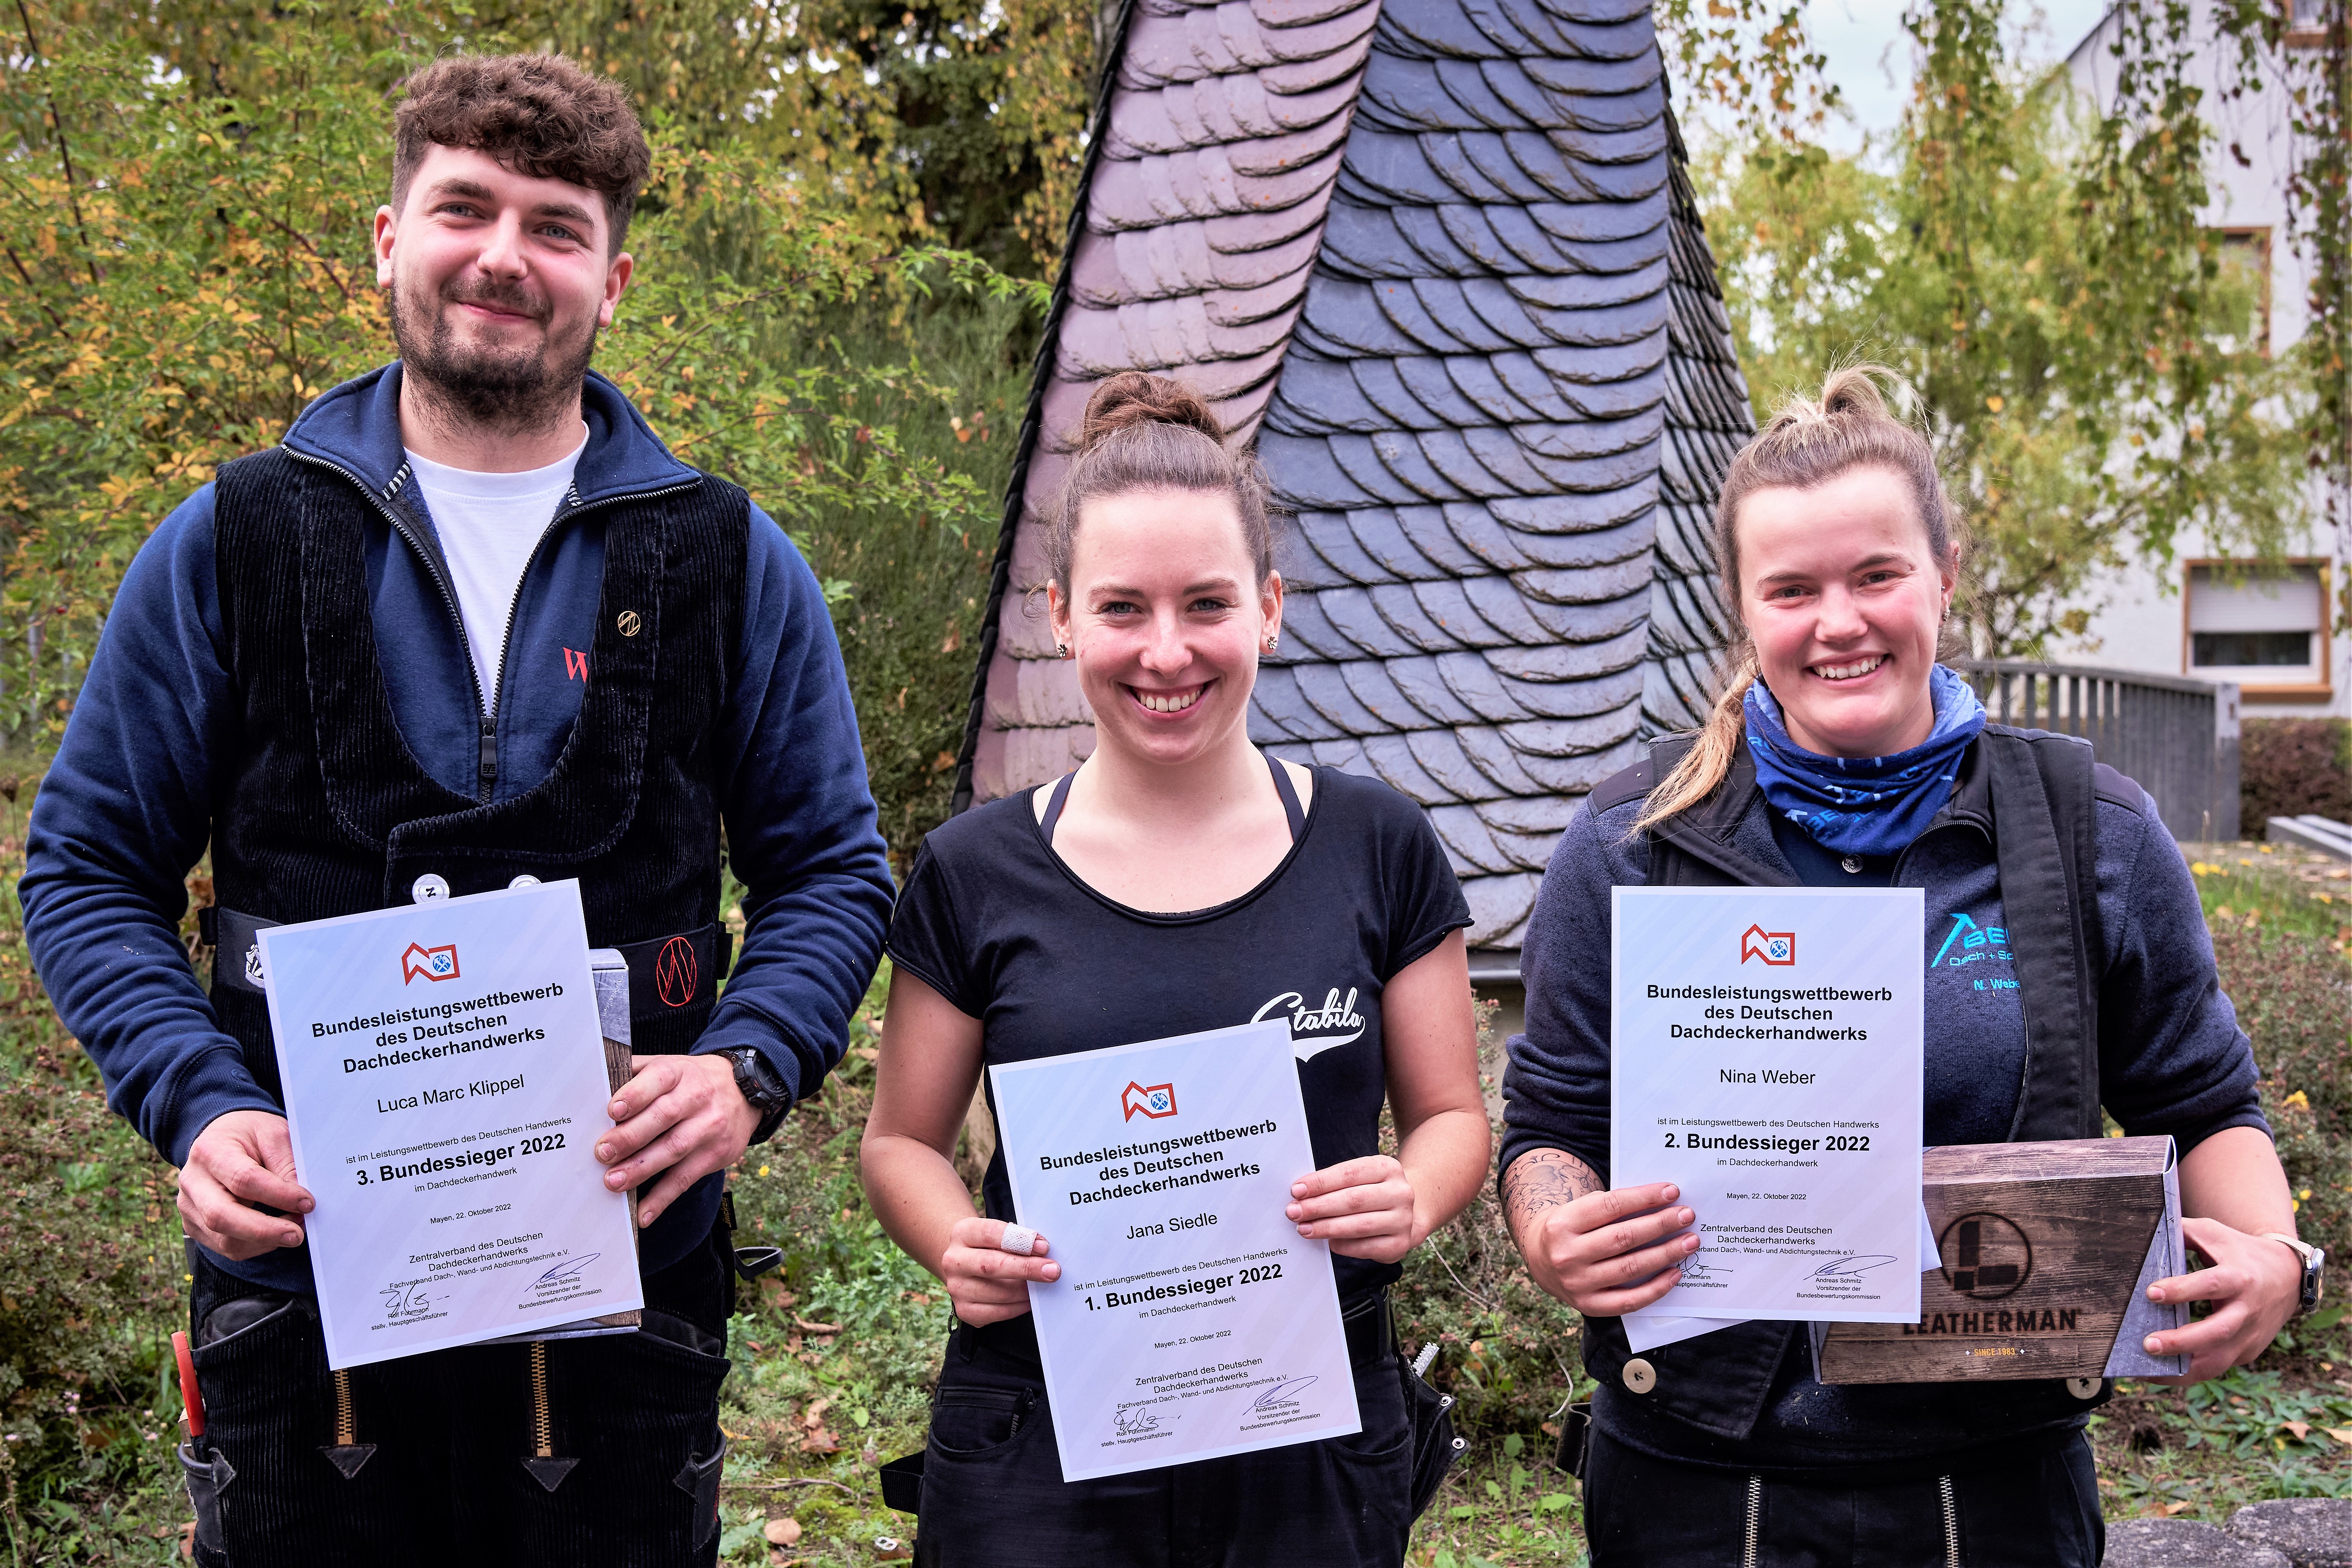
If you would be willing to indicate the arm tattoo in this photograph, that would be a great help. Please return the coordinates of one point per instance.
(1542, 1179)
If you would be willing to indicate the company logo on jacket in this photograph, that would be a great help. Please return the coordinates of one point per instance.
(1314, 1029)
(1968, 942)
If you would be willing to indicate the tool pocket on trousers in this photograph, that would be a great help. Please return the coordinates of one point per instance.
(967, 1423)
(699, 1480)
(206, 1478)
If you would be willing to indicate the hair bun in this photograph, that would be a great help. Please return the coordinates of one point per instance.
(1134, 397)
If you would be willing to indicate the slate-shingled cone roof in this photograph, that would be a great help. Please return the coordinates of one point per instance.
(1443, 261)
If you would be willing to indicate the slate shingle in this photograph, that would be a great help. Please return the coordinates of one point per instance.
(1445, 252)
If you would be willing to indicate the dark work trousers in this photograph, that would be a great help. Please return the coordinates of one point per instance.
(450, 1432)
(2040, 1513)
(994, 1493)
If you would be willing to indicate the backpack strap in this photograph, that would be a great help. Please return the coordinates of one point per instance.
(2045, 811)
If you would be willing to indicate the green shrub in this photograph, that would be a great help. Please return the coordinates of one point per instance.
(917, 581)
(89, 1286)
(2293, 996)
(2294, 767)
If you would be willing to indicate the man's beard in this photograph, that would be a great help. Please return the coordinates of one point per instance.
(506, 390)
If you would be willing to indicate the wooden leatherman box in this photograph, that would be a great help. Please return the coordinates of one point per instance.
(2045, 1252)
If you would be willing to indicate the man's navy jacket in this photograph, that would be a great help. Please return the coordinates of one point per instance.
(127, 807)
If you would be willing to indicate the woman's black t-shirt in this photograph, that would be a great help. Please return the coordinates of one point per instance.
(992, 920)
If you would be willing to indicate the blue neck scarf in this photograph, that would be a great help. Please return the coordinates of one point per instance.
(1864, 805)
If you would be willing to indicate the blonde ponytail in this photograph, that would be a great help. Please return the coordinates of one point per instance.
(1806, 443)
(1703, 767)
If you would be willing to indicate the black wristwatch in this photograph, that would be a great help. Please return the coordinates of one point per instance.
(2315, 1262)
(761, 1087)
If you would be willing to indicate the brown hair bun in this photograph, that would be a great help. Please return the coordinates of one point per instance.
(1133, 397)
(1145, 432)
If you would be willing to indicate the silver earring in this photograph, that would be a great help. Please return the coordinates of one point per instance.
(1061, 650)
(1271, 643)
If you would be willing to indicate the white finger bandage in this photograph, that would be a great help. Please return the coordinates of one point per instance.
(1018, 1239)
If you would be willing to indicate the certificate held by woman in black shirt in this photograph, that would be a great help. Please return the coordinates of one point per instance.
(1192, 1320)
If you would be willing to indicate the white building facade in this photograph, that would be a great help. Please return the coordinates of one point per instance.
(2268, 627)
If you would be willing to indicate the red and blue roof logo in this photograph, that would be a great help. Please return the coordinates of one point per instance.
(429, 962)
(1154, 1099)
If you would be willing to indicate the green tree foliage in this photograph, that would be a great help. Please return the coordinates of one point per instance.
(2039, 273)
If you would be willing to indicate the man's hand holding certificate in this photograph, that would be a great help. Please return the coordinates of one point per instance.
(444, 1085)
(1767, 1060)
(1191, 1320)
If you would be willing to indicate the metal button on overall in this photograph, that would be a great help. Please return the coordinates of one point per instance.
(430, 888)
(525, 880)
(2084, 1387)
(1640, 1375)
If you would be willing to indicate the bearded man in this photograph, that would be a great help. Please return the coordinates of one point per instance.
(471, 622)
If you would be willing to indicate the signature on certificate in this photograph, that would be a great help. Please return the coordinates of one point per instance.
(568, 1271)
(1694, 1270)
(1279, 1394)
(1134, 1421)
(1859, 1263)
(400, 1300)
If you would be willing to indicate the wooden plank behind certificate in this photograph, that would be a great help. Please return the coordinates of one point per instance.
(2039, 1247)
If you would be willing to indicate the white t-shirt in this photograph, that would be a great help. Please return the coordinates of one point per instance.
(488, 525)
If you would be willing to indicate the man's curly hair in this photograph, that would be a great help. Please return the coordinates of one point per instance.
(540, 115)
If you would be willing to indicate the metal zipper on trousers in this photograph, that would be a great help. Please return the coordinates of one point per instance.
(347, 1425)
(487, 762)
(1752, 1541)
(542, 1420)
(1950, 1500)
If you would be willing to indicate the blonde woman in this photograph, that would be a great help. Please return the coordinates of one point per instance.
(2067, 967)
(1179, 881)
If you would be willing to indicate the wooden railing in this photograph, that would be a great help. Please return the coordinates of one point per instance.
(2178, 738)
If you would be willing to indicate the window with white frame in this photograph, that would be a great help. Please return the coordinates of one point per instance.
(2258, 624)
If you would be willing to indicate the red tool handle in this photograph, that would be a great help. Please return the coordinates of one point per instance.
(190, 1395)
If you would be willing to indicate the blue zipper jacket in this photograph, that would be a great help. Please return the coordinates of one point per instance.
(127, 807)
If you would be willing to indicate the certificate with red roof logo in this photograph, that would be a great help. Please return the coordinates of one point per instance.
(1765, 1056)
(443, 1070)
(1191, 1320)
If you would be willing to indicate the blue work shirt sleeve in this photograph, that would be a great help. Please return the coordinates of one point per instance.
(800, 830)
(123, 813)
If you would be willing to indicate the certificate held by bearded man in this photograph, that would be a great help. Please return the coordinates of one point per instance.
(445, 1082)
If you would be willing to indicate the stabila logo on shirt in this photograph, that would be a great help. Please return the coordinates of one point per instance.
(1772, 946)
(1314, 1030)
(1155, 1101)
(431, 962)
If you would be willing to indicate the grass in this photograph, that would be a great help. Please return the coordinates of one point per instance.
(835, 1353)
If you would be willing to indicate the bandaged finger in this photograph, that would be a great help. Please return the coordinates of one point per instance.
(1018, 1239)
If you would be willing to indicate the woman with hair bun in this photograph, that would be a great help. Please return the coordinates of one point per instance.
(1843, 754)
(1178, 882)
